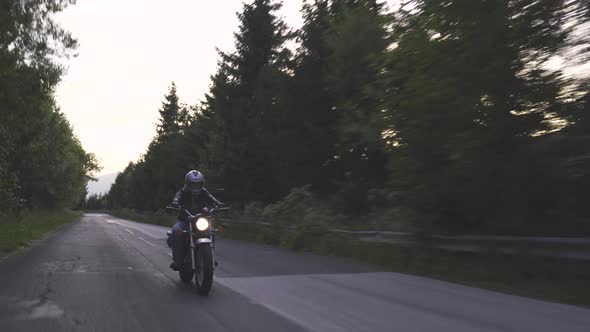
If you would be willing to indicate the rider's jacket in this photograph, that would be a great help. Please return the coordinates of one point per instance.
(185, 199)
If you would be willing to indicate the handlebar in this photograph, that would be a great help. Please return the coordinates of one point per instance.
(211, 211)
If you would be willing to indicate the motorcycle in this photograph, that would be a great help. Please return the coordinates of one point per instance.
(201, 246)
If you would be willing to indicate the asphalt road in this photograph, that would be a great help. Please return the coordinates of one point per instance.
(108, 274)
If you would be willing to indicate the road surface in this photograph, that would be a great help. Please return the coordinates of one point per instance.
(109, 274)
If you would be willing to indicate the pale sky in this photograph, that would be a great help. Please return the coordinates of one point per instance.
(130, 51)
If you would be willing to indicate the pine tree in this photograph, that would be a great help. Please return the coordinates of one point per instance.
(469, 91)
(245, 100)
(170, 115)
(357, 40)
(309, 135)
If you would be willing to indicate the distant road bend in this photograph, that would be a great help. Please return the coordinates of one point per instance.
(109, 274)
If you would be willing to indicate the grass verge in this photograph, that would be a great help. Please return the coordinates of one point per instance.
(552, 279)
(32, 225)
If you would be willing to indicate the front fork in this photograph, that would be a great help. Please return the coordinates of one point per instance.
(211, 237)
(190, 234)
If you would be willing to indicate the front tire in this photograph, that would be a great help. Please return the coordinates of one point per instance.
(204, 273)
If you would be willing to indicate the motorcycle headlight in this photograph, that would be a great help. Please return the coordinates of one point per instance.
(202, 224)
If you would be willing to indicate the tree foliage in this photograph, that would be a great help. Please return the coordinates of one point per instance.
(42, 163)
(448, 112)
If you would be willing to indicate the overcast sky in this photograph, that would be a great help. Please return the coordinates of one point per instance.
(130, 51)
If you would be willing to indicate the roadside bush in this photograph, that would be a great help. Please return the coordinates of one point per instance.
(300, 207)
(252, 211)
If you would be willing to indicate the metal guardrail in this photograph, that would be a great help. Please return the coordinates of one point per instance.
(506, 238)
(561, 247)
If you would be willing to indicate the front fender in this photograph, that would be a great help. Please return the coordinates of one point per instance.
(203, 240)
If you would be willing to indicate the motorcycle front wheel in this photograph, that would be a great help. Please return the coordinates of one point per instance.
(204, 273)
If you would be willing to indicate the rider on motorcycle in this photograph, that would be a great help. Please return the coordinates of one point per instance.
(192, 197)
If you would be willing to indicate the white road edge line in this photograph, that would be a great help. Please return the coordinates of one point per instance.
(128, 231)
(12, 253)
(148, 242)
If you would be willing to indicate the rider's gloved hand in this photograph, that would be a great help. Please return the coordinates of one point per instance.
(174, 205)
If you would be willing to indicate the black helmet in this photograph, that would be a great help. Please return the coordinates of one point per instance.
(194, 181)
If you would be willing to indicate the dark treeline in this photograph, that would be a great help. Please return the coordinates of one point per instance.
(42, 163)
(442, 113)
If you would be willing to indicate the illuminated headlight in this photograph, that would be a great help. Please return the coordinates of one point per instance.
(202, 224)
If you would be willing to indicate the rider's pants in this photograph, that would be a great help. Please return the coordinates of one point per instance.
(178, 242)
